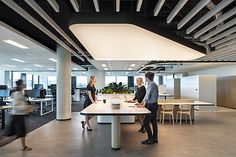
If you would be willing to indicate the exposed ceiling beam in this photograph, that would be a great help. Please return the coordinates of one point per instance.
(216, 22)
(139, 5)
(219, 29)
(231, 42)
(221, 35)
(54, 5)
(75, 5)
(117, 5)
(47, 18)
(158, 7)
(220, 52)
(175, 11)
(96, 5)
(32, 20)
(225, 55)
(207, 16)
(192, 13)
(230, 37)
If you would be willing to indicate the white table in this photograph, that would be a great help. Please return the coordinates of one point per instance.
(41, 101)
(100, 108)
(195, 103)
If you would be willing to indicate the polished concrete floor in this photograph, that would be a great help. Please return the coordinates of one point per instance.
(213, 134)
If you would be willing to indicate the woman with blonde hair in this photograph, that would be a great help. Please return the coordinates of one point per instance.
(139, 96)
(90, 98)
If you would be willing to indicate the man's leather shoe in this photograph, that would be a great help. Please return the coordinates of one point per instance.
(148, 142)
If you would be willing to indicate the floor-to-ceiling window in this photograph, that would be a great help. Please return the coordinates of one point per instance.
(81, 81)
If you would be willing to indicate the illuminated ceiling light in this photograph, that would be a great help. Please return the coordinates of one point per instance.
(133, 65)
(27, 69)
(7, 65)
(75, 69)
(130, 69)
(52, 59)
(105, 68)
(18, 60)
(51, 69)
(37, 65)
(104, 65)
(127, 42)
(15, 44)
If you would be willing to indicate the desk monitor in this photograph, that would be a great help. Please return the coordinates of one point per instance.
(4, 93)
(38, 86)
(28, 93)
(36, 93)
(3, 87)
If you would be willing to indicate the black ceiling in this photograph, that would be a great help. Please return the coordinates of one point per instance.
(107, 13)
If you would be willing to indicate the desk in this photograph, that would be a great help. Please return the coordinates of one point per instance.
(195, 103)
(165, 95)
(41, 101)
(3, 108)
(100, 108)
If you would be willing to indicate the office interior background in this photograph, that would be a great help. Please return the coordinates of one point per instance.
(56, 45)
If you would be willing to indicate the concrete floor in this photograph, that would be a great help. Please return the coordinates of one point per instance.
(213, 134)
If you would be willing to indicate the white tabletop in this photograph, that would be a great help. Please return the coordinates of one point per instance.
(195, 103)
(100, 108)
(32, 100)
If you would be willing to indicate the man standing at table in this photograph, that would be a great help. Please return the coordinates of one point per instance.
(150, 102)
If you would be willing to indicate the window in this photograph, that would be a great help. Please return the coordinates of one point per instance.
(36, 79)
(156, 79)
(28, 81)
(52, 80)
(109, 79)
(123, 79)
(16, 76)
(81, 81)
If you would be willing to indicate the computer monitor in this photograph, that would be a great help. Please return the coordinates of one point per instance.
(4, 93)
(36, 93)
(28, 93)
(38, 86)
(3, 87)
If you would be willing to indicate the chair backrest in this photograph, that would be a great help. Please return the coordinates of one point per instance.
(185, 107)
(167, 107)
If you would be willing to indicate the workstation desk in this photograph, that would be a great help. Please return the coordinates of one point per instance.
(42, 101)
(105, 109)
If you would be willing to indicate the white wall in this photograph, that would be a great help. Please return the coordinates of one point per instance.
(229, 70)
(2, 77)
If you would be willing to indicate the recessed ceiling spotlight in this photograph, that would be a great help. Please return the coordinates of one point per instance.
(105, 68)
(7, 65)
(15, 44)
(18, 60)
(52, 59)
(133, 65)
(51, 69)
(104, 65)
(130, 69)
(75, 69)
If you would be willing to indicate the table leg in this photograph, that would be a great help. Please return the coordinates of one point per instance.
(115, 132)
(3, 119)
(41, 108)
(52, 105)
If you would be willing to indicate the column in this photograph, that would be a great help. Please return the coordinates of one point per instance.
(63, 84)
